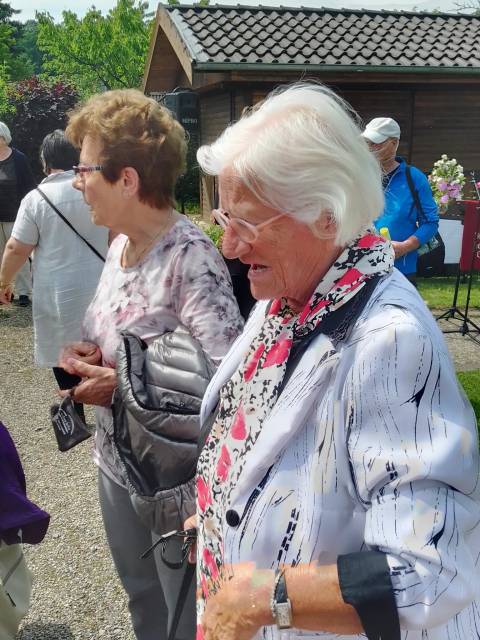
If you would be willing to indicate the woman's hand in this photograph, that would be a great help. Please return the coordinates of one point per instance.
(6, 294)
(191, 523)
(241, 605)
(87, 352)
(97, 386)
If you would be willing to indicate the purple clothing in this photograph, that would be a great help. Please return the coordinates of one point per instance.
(20, 519)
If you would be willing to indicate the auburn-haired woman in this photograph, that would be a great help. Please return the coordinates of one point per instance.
(161, 272)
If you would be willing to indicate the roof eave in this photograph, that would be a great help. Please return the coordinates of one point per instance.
(328, 68)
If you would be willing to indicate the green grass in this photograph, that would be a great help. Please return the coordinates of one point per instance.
(438, 292)
(470, 381)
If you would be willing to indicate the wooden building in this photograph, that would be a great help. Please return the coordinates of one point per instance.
(421, 69)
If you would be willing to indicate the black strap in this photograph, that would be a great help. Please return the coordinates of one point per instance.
(182, 597)
(414, 192)
(99, 255)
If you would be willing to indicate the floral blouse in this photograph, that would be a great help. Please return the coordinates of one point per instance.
(182, 280)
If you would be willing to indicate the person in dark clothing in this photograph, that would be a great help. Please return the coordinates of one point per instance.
(16, 180)
(21, 521)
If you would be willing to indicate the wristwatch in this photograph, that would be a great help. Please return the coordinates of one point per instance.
(281, 605)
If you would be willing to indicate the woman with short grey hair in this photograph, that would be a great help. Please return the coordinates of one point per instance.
(337, 492)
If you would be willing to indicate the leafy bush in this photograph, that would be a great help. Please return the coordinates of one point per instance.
(213, 231)
(38, 107)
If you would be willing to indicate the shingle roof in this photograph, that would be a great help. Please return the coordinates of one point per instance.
(234, 36)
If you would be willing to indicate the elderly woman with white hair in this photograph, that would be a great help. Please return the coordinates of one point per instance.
(338, 485)
(16, 180)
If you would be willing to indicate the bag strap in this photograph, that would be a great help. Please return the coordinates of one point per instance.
(413, 191)
(182, 597)
(99, 255)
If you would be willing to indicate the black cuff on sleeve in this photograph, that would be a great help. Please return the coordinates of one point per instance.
(366, 585)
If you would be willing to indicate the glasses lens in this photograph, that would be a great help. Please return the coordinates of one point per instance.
(221, 218)
(243, 229)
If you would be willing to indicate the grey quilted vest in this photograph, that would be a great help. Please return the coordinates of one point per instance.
(156, 409)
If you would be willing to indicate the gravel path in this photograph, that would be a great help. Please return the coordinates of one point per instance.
(76, 593)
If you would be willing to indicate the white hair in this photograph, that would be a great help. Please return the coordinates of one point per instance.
(5, 133)
(301, 152)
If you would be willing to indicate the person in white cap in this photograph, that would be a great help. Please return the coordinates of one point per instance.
(410, 212)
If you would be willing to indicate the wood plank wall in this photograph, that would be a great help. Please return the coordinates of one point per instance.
(433, 119)
(215, 116)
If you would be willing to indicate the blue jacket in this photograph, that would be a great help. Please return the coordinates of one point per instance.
(400, 214)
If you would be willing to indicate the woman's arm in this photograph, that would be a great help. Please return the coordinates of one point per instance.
(243, 603)
(15, 255)
(413, 448)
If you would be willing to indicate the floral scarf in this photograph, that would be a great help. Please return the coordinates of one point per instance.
(249, 396)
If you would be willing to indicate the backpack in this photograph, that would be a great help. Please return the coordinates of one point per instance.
(156, 422)
(431, 255)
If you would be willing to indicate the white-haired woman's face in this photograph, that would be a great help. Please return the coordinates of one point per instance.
(286, 259)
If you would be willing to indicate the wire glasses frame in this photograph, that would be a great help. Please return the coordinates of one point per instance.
(82, 169)
(246, 231)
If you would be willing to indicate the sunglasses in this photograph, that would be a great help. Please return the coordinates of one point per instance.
(82, 169)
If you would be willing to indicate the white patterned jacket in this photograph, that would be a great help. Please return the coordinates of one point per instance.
(371, 445)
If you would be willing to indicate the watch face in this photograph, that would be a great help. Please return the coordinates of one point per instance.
(283, 616)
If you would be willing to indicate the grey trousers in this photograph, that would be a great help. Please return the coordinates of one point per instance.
(152, 588)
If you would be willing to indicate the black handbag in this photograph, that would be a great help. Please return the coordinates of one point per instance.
(69, 428)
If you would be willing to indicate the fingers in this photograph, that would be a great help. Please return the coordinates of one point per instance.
(83, 369)
(191, 522)
(85, 351)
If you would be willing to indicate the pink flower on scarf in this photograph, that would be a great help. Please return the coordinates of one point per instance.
(275, 307)
(278, 353)
(238, 430)
(223, 464)
(251, 366)
(369, 240)
(203, 494)
(199, 635)
(349, 278)
(210, 563)
(204, 583)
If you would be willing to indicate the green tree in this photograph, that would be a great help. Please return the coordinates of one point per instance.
(100, 52)
(26, 49)
(17, 44)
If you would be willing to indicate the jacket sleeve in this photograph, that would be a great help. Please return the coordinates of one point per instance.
(413, 449)
(428, 220)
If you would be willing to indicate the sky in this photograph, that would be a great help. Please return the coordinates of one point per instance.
(55, 7)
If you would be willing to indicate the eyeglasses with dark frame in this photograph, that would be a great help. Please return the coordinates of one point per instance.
(188, 537)
(82, 169)
(246, 231)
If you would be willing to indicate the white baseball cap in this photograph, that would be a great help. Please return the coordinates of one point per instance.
(380, 129)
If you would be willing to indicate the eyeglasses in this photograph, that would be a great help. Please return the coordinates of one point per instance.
(246, 231)
(188, 537)
(82, 169)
